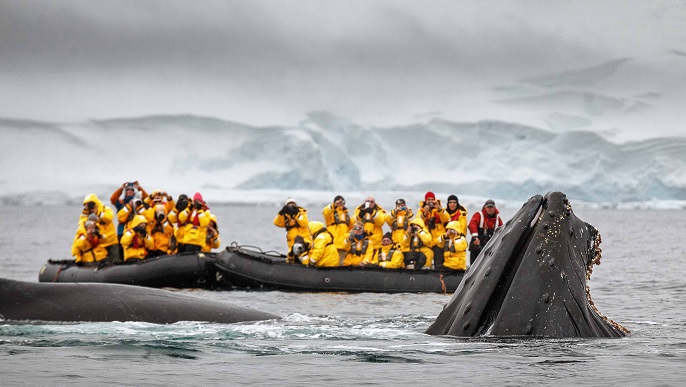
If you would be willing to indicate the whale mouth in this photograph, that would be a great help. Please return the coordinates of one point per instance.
(531, 279)
(499, 295)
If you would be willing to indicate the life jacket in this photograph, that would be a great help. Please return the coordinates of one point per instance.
(416, 243)
(386, 257)
(363, 249)
(405, 223)
(449, 246)
(488, 231)
(337, 218)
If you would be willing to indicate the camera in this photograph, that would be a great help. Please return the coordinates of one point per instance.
(159, 216)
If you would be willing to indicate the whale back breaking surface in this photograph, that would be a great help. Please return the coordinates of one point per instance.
(531, 279)
(113, 302)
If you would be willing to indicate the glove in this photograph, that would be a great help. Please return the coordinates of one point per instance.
(182, 203)
(284, 210)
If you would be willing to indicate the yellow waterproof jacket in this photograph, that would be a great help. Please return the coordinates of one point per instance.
(194, 223)
(339, 223)
(136, 246)
(105, 216)
(87, 248)
(161, 233)
(398, 221)
(454, 248)
(294, 225)
(360, 250)
(212, 240)
(389, 257)
(173, 217)
(373, 223)
(128, 213)
(460, 216)
(421, 241)
(323, 252)
(434, 221)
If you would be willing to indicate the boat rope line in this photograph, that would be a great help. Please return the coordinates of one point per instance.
(62, 266)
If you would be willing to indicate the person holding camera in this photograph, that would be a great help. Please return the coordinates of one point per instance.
(212, 240)
(339, 223)
(294, 219)
(136, 206)
(434, 217)
(416, 246)
(193, 219)
(399, 220)
(361, 246)
(136, 241)
(482, 226)
(128, 189)
(103, 217)
(87, 247)
(373, 218)
(454, 245)
(161, 230)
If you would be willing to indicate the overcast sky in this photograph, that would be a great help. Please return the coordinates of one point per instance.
(270, 62)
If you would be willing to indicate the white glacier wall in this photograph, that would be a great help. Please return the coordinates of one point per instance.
(56, 162)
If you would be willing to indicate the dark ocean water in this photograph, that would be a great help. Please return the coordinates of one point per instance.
(340, 338)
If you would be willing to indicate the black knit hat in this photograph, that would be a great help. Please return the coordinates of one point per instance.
(337, 198)
(388, 235)
(453, 197)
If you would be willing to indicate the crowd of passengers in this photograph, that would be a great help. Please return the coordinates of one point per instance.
(148, 226)
(433, 237)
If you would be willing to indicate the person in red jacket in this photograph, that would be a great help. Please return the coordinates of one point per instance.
(482, 226)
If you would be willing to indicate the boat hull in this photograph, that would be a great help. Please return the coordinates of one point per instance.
(177, 271)
(242, 268)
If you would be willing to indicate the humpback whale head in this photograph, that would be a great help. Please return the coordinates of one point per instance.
(530, 279)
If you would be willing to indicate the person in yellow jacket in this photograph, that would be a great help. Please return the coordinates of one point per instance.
(361, 246)
(135, 206)
(434, 217)
(454, 245)
(159, 196)
(399, 219)
(87, 246)
(457, 213)
(323, 251)
(389, 256)
(212, 240)
(194, 220)
(161, 230)
(136, 240)
(173, 217)
(92, 205)
(373, 218)
(339, 223)
(416, 246)
(294, 219)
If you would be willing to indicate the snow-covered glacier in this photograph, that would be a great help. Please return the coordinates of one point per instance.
(55, 162)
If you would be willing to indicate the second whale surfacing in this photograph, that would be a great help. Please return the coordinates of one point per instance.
(98, 302)
(530, 279)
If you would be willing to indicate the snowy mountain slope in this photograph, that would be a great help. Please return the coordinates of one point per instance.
(54, 162)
